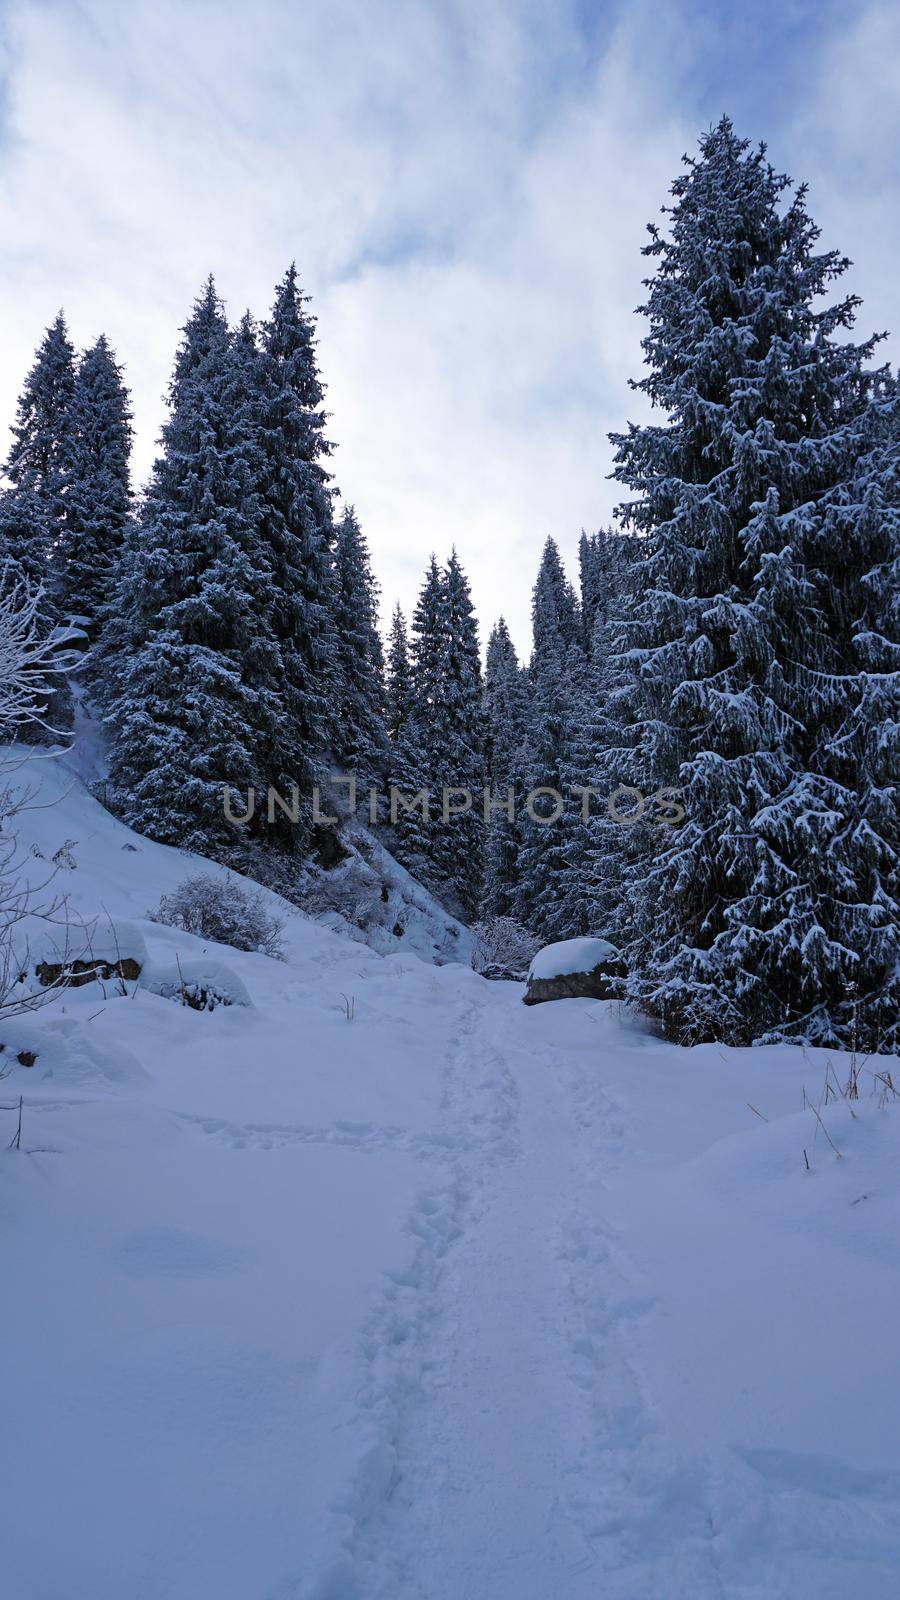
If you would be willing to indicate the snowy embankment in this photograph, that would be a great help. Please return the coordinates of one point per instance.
(387, 1287)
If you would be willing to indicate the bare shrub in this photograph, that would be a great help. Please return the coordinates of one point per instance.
(503, 948)
(221, 909)
(29, 659)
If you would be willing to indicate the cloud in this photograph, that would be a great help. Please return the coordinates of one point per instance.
(465, 188)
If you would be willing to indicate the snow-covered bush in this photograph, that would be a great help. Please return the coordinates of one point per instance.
(201, 982)
(503, 948)
(223, 910)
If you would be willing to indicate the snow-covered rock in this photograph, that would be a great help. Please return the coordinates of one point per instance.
(571, 968)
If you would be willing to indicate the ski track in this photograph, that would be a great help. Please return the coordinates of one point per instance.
(511, 1449)
(368, 1137)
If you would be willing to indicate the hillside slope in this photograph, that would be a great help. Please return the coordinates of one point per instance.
(385, 1287)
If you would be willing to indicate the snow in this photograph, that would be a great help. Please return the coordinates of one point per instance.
(571, 955)
(386, 1286)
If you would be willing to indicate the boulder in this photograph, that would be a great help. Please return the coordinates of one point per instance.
(573, 969)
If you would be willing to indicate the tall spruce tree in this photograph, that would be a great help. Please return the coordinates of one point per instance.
(767, 912)
(854, 761)
(549, 893)
(551, 864)
(458, 849)
(97, 487)
(399, 687)
(360, 742)
(610, 843)
(32, 506)
(417, 753)
(506, 724)
(191, 690)
(603, 558)
(298, 535)
(442, 745)
(555, 612)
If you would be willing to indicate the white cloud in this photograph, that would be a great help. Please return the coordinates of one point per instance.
(464, 187)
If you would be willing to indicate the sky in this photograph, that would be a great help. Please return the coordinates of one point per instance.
(465, 187)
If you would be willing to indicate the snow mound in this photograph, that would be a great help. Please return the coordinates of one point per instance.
(571, 955)
(202, 982)
(44, 1048)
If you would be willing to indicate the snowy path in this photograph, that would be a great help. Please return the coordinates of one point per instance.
(506, 1419)
(387, 1287)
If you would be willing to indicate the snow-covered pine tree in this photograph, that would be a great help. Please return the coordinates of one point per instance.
(555, 613)
(758, 915)
(853, 558)
(360, 741)
(458, 744)
(184, 711)
(96, 485)
(549, 894)
(611, 844)
(506, 723)
(441, 746)
(32, 507)
(603, 558)
(416, 754)
(399, 687)
(608, 563)
(551, 869)
(505, 703)
(298, 535)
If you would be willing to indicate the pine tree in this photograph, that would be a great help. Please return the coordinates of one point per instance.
(506, 724)
(551, 866)
(549, 891)
(854, 729)
(442, 745)
(603, 558)
(459, 844)
(764, 912)
(297, 531)
(32, 508)
(555, 613)
(184, 712)
(417, 752)
(97, 489)
(399, 688)
(360, 744)
(611, 845)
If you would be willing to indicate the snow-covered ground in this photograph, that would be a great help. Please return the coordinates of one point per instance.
(388, 1287)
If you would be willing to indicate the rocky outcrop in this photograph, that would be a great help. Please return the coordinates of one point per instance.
(72, 974)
